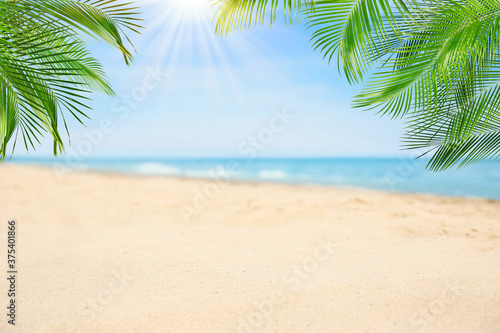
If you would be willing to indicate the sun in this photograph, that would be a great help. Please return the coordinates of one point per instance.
(182, 28)
(178, 7)
(191, 5)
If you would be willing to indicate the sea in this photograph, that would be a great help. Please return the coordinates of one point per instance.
(388, 174)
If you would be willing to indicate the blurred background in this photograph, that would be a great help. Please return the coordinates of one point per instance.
(193, 101)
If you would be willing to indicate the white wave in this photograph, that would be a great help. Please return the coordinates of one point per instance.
(272, 174)
(158, 169)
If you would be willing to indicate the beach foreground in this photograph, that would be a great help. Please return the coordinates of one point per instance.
(116, 253)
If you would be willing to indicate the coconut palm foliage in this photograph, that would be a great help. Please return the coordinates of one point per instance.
(434, 63)
(46, 72)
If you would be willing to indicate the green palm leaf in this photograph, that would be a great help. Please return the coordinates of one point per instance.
(235, 15)
(435, 63)
(358, 31)
(45, 68)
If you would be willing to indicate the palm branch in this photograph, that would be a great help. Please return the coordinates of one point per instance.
(435, 63)
(46, 70)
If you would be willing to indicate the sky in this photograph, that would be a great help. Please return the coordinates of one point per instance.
(192, 93)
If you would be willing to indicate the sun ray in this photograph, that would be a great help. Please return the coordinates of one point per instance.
(184, 42)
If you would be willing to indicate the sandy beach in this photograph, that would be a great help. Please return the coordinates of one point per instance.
(116, 253)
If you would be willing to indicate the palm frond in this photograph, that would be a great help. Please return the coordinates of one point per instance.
(233, 15)
(444, 78)
(45, 68)
(360, 32)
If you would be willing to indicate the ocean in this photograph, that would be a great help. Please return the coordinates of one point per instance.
(387, 174)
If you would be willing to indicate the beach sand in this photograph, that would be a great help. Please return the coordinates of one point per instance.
(115, 253)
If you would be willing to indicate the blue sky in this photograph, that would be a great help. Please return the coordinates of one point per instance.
(216, 92)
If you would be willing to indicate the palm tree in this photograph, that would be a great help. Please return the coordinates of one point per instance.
(46, 72)
(435, 63)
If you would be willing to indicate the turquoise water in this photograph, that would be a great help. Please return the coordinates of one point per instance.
(400, 175)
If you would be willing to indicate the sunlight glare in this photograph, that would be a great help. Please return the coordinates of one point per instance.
(191, 5)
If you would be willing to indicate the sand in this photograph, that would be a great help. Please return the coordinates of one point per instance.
(115, 253)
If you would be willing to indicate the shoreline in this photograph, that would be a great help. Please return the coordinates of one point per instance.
(236, 181)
